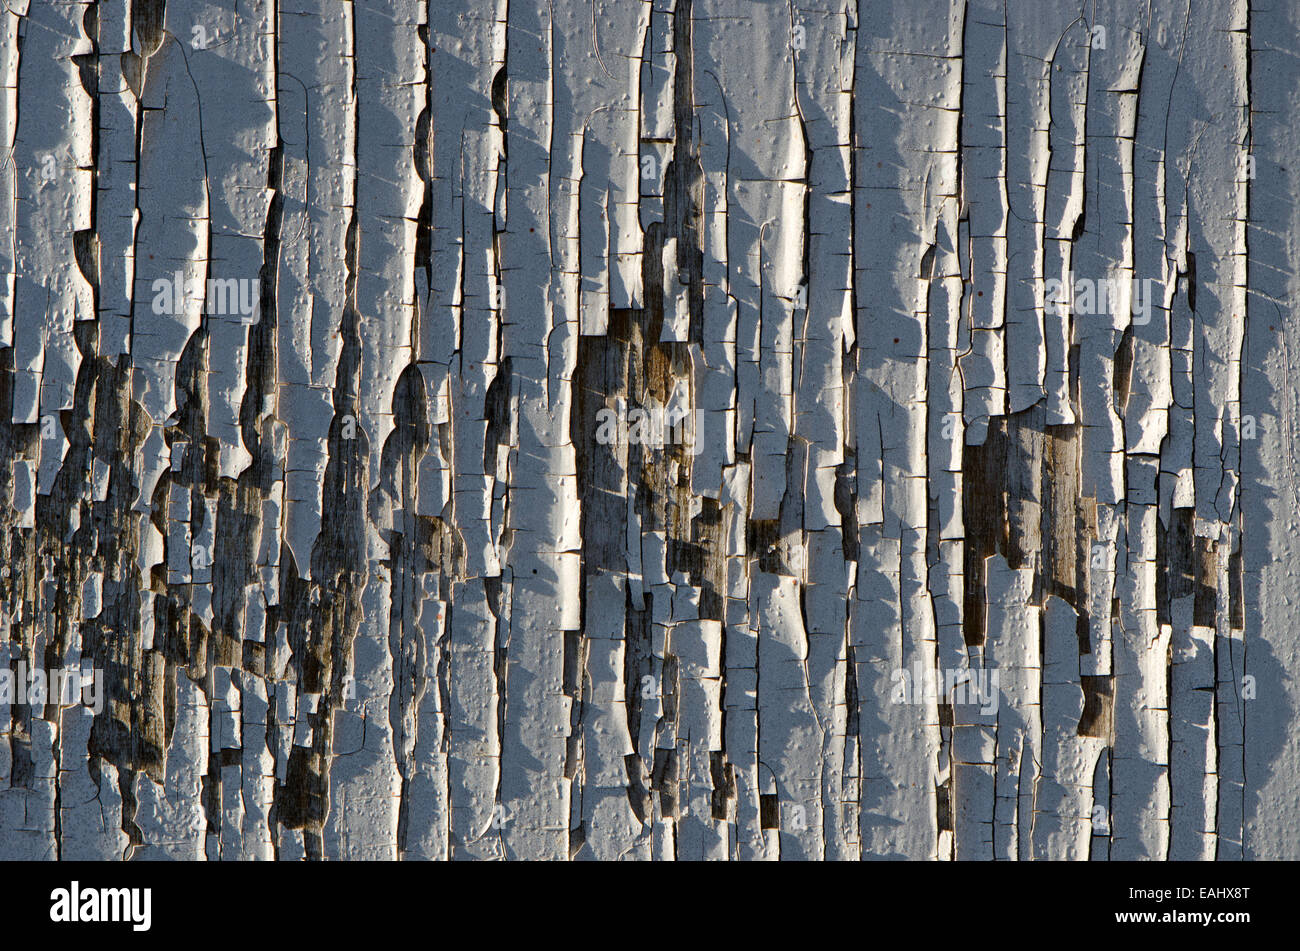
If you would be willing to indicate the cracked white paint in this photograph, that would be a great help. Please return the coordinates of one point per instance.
(366, 583)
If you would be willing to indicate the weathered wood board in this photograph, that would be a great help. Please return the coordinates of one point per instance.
(649, 429)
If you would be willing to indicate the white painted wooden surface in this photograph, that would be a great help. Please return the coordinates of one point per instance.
(311, 313)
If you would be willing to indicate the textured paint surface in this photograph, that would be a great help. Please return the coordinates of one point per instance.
(649, 429)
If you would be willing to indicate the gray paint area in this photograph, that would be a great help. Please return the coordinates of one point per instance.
(602, 429)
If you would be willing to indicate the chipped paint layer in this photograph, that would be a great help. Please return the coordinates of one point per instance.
(697, 429)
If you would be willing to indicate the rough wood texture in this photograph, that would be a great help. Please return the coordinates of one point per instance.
(645, 430)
